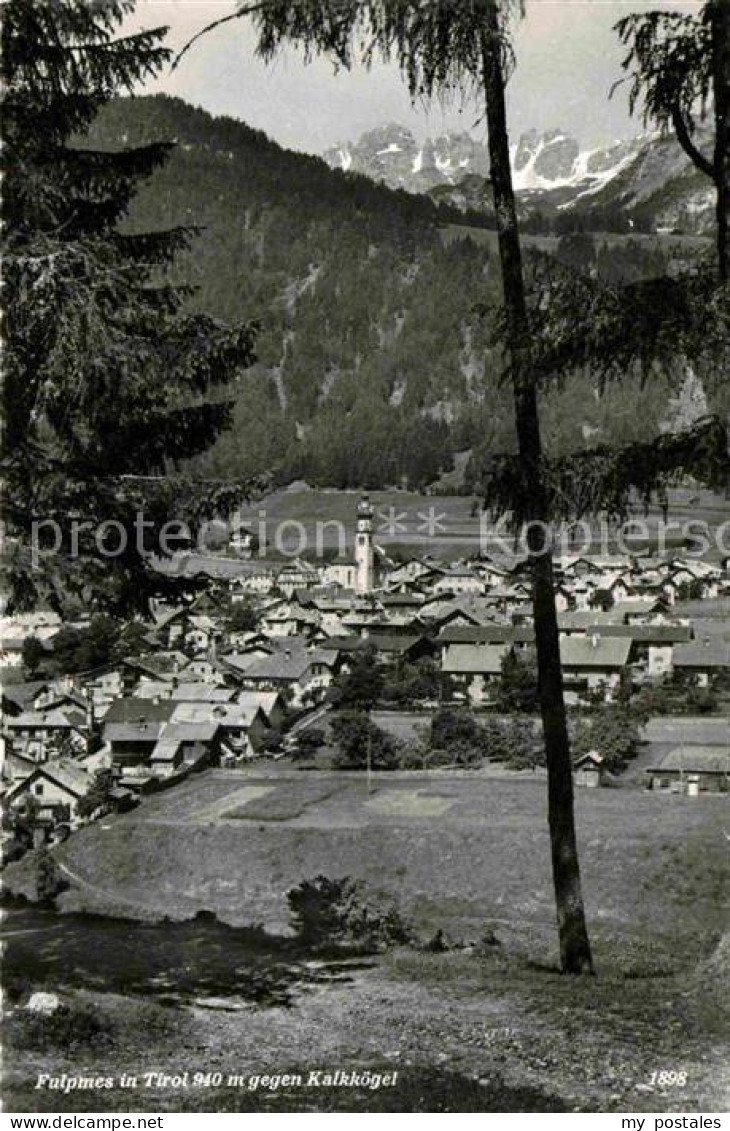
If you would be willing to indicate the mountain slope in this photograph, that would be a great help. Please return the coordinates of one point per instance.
(374, 358)
(648, 178)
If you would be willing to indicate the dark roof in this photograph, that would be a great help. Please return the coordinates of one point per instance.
(394, 643)
(21, 694)
(696, 759)
(132, 710)
(486, 634)
(702, 654)
(647, 633)
(343, 643)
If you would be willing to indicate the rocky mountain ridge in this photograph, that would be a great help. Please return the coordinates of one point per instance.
(649, 174)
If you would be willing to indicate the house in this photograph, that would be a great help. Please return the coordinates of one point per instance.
(472, 668)
(391, 647)
(578, 622)
(297, 574)
(652, 645)
(242, 541)
(295, 672)
(395, 602)
(197, 692)
(42, 625)
(270, 703)
(702, 659)
(152, 666)
(592, 663)
(19, 697)
(132, 728)
(459, 579)
(252, 577)
(184, 745)
(45, 732)
(642, 610)
(103, 686)
(56, 788)
(341, 571)
(589, 769)
(239, 728)
(692, 769)
(409, 571)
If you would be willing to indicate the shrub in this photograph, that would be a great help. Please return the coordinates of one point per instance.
(356, 736)
(343, 913)
(308, 743)
(71, 1025)
(48, 879)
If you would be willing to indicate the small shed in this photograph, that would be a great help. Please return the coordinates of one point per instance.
(589, 769)
(692, 770)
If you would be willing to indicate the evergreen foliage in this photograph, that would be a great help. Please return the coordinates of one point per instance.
(107, 377)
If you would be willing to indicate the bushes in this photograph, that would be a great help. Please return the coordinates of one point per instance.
(69, 1026)
(357, 738)
(343, 913)
(48, 879)
(613, 732)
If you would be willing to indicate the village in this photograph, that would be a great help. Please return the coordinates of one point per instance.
(252, 663)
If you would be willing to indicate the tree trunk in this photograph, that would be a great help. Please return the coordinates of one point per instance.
(720, 22)
(575, 951)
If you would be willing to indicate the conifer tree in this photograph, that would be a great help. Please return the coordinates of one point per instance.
(440, 47)
(108, 380)
(677, 63)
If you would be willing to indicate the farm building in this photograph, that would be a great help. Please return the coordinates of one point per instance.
(589, 769)
(692, 769)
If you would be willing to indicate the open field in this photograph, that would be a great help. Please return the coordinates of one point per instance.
(455, 851)
(466, 1030)
(666, 242)
(308, 521)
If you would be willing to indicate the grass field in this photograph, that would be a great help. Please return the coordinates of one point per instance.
(466, 1030)
(308, 521)
(455, 851)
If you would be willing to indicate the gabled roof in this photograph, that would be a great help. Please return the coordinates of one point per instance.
(54, 718)
(594, 652)
(586, 618)
(648, 633)
(136, 710)
(474, 659)
(201, 693)
(216, 714)
(591, 757)
(286, 665)
(486, 634)
(696, 759)
(393, 643)
(639, 605)
(65, 774)
(702, 654)
(20, 695)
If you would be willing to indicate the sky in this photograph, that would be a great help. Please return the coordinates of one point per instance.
(568, 57)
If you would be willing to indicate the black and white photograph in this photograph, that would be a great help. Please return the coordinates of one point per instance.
(365, 626)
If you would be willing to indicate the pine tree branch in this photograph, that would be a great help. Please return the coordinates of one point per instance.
(237, 15)
(602, 479)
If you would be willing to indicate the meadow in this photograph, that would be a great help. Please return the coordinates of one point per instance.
(455, 850)
(481, 1026)
(308, 521)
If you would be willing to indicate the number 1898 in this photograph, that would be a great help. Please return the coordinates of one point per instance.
(668, 1079)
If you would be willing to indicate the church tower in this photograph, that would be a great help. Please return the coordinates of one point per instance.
(364, 556)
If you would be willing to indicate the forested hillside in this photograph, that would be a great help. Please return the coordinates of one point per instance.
(373, 365)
